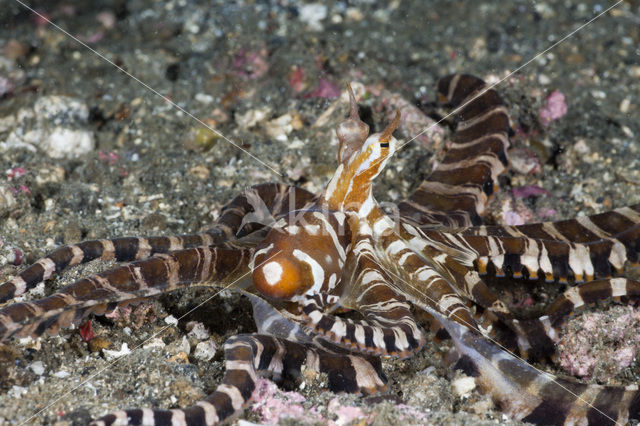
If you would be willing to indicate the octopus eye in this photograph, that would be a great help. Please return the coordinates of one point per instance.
(385, 136)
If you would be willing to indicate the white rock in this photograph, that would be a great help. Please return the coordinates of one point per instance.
(184, 345)
(197, 330)
(203, 98)
(28, 342)
(37, 367)
(60, 109)
(61, 374)
(205, 350)
(463, 386)
(17, 391)
(171, 320)
(279, 128)
(57, 125)
(544, 79)
(252, 117)
(70, 143)
(624, 105)
(312, 14)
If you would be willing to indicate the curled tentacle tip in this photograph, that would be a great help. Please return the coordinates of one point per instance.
(385, 136)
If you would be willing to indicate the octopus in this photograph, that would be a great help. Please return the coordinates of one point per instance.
(337, 284)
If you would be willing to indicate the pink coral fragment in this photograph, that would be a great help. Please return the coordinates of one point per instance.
(345, 414)
(108, 157)
(16, 172)
(625, 356)
(554, 108)
(21, 188)
(274, 404)
(600, 345)
(325, 89)
(252, 64)
(512, 218)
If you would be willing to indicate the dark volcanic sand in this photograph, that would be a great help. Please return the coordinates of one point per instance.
(220, 62)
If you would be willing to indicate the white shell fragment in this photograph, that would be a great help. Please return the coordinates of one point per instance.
(111, 355)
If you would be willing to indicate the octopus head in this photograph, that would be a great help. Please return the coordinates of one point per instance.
(304, 256)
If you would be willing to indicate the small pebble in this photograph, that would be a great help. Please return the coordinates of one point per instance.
(98, 343)
(107, 19)
(180, 358)
(205, 350)
(62, 374)
(13, 49)
(201, 172)
(201, 139)
(312, 14)
(252, 117)
(37, 367)
(203, 98)
(624, 105)
(279, 128)
(185, 345)
(543, 79)
(581, 147)
(171, 320)
(198, 330)
(64, 142)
